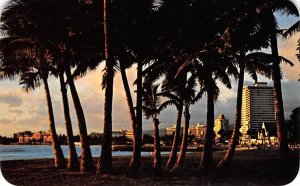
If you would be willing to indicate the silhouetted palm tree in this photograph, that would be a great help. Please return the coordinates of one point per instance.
(152, 106)
(28, 59)
(105, 162)
(267, 9)
(72, 157)
(188, 96)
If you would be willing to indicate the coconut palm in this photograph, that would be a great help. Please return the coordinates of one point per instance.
(105, 162)
(208, 66)
(72, 155)
(178, 102)
(28, 59)
(248, 28)
(188, 95)
(131, 45)
(152, 106)
(62, 42)
(267, 9)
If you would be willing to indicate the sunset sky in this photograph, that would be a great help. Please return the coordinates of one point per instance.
(21, 111)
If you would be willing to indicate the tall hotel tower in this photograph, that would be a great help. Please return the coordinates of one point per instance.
(257, 107)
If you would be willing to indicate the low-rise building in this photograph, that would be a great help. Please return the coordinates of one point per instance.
(197, 130)
(129, 134)
(120, 133)
(170, 131)
(27, 137)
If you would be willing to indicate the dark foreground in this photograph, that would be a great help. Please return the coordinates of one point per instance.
(249, 167)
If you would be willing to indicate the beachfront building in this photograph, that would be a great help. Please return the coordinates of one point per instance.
(27, 137)
(221, 123)
(198, 130)
(121, 133)
(170, 131)
(129, 134)
(257, 107)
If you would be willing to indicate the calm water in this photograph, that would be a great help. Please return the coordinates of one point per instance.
(25, 152)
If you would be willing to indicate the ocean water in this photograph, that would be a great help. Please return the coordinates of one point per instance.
(26, 152)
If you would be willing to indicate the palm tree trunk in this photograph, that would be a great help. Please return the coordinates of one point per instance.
(72, 157)
(135, 154)
(86, 160)
(279, 110)
(207, 160)
(59, 159)
(225, 162)
(105, 162)
(137, 149)
(156, 154)
(184, 142)
(173, 153)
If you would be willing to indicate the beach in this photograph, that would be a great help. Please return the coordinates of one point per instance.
(249, 167)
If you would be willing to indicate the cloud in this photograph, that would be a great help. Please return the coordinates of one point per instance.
(11, 99)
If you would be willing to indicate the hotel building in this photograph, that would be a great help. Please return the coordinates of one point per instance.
(257, 107)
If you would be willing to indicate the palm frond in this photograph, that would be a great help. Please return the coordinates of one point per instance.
(292, 30)
(165, 105)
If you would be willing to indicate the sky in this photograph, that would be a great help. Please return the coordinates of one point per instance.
(21, 111)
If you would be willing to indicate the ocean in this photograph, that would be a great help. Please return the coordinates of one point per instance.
(26, 152)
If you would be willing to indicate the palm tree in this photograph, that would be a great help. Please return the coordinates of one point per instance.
(208, 66)
(267, 10)
(152, 107)
(60, 42)
(105, 162)
(28, 59)
(253, 38)
(72, 157)
(86, 160)
(188, 96)
(173, 154)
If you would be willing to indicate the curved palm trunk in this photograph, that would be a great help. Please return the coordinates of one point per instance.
(59, 159)
(225, 162)
(173, 153)
(184, 142)
(136, 145)
(86, 160)
(72, 157)
(105, 162)
(207, 160)
(136, 154)
(279, 110)
(156, 154)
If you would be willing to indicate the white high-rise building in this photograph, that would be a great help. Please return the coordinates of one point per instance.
(257, 107)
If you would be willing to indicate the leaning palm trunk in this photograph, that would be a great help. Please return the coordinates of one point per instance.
(72, 157)
(137, 143)
(184, 143)
(86, 160)
(156, 154)
(105, 161)
(207, 160)
(279, 110)
(225, 162)
(135, 154)
(173, 153)
(59, 159)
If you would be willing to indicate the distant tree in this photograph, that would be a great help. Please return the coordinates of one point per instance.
(148, 139)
